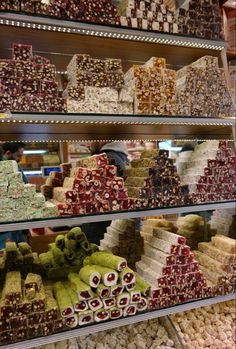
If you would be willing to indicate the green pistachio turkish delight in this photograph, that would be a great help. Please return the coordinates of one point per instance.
(63, 300)
(103, 291)
(142, 285)
(108, 260)
(46, 259)
(69, 254)
(90, 275)
(11, 250)
(60, 241)
(83, 290)
(12, 291)
(57, 253)
(70, 244)
(24, 248)
(33, 282)
(127, 276)
(109, 276)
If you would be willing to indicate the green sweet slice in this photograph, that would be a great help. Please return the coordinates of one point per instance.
(70, 244)
(142, 285)
(127, 276)
(90, 275)
(108, 260)
(57, 253)
(81, 288)
(69, 254)
(60, 241)
(109, 276)
(46, 258)
(63, 299)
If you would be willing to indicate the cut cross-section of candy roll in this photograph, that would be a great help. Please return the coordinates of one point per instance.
(142, 285)
(90, 275)
(130, 310)
(109, 303)
(63, 300)
(83, 290)
(81, 306)
(116, 290)
(142, 305)
(130, 287)
(73, 297)
(127, 276)
(71, 321)
(95, 303)
(135, 296)
(60, 241)
(103, 291)
(115, 313)
(101, 315)
(109, 260)
(85, 317)
(109, 276)
(123, 300)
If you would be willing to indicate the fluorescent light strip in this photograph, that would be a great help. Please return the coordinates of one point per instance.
(104, 33)
(31, 152)
(33, 172)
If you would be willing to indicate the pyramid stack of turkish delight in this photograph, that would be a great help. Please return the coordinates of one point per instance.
(193, 228)
(151, 87)
(20, 201)
(169, 266)
(19, 258)
(13, 5)
(147, 15)
(155, 183)
(217, 262)
(222, 221)
(124, 240)
(105, 288)
(28, 309)
(210, 327)
(28, 82)
(92, 186)
(211, 173)
(201, 89)
(201, 19)
(94, 84)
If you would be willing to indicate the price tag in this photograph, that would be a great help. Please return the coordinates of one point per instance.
(5, 115)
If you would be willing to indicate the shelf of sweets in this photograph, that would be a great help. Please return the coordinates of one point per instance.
(100, 217)
(94, 328)
(85, 127)
(159, 30)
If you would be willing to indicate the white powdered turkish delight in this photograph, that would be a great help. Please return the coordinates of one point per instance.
(8, 166)
(168, 236)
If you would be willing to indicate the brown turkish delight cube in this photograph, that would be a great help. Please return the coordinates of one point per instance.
(97, 65)
(4, 324)
(115, 80)
(18, 322)
(34, 330)
(24, 308)
(22, 52)
(7, 68)
(36, 318)
(6, 337)
(40, 60)
(7, 310)
(47, 328)
(28, 6)
(58, 325)
(113, 65)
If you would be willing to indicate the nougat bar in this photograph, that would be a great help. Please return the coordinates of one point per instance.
(165, 246)
(175, 239)
(224, 243)
(153, 264)
(145, 162)
(210, 263)
(218, 254)
(12, 291)
(8, 166)
(213, 276)
(159, 256)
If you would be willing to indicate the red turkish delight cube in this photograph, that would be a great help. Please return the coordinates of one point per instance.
(127, 204)
(122, 194)
(110, 171)
(176, 269)
(96, 174)
(207, 291)
(185, 268)
(166, 291)
(118, 183)
(194, 267)
(184, 250)
(7, 68)
(156, 292)
(30, 86)
(153, 303)
(162, 281)
(10, 86)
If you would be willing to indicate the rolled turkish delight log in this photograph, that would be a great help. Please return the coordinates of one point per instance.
(101, 315)
(83, 290)
(12, 290)
(130, 287)
(174, 239)
(135, 296)
(127, 276)
(115, 313)
(159, 256)
(108, 260)
(60, 241)
(63, 300)
(109, 303)
(130, 310)
(70, 244)
(90, 275)
(216, 253)
(95, 303)
(123, 300)
(116, 290)
(109, 276)
(102, 291)
(46, 260)
(71, 321)
(73, 297)
(85, 246)
(78, 234)
(142, 285)
(224, 243)
(57, 253)
(69, 254)
(85, 317)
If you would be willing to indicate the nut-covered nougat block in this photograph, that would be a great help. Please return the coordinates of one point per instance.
(22, 52)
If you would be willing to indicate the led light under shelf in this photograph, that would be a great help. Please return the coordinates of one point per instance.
(34, 152)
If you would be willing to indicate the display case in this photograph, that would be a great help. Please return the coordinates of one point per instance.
(59, 40)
